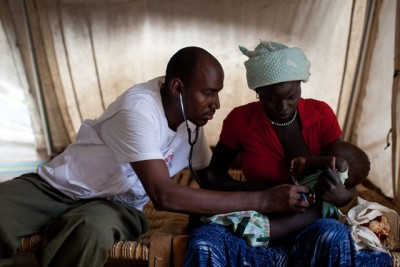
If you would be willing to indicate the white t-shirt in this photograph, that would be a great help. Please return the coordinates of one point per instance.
(133, 128)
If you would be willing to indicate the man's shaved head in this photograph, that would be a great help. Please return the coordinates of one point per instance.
(186, 61)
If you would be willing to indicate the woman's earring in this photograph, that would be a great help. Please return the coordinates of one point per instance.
(257, 96)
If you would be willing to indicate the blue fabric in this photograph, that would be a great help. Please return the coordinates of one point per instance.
(326, 242)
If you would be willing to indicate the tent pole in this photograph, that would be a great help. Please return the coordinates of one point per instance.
(396, 112)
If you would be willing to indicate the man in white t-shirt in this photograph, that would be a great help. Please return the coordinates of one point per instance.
(93, 193)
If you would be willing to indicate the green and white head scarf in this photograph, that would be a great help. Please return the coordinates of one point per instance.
(271, 63)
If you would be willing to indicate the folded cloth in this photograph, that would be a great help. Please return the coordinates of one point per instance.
(271, 63)
(250, 224)
(373, 226)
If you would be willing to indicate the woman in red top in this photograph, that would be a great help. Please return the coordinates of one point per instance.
(268, 134)
(265, 148)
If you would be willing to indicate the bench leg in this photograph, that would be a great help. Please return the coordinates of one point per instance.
(178, 249)
(160, 250)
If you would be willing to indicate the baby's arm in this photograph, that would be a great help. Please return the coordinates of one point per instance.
(301, 164)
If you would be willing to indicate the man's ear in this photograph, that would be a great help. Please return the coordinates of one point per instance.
(176, 86)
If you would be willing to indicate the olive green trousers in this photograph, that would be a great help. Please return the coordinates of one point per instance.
(78, 233)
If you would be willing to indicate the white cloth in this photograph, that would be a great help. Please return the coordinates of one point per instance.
(133, 128)
(363, 213)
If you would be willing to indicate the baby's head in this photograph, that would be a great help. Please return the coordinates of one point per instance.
(357, 160)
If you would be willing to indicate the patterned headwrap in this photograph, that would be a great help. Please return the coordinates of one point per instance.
(271, 63)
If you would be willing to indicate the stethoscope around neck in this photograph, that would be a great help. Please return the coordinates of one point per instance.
(191, 142)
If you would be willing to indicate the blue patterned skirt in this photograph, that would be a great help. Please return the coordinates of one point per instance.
(326, 242)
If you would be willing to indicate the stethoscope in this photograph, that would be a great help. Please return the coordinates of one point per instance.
(191, 142)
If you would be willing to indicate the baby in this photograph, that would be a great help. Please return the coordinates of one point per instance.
(350, 163)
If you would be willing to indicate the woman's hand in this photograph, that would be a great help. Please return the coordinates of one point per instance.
(331, 189)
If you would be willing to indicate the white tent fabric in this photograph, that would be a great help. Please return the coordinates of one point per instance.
(373, 120)
(88, 52)
(20, 139)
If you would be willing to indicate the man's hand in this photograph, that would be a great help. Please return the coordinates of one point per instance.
(284, 198)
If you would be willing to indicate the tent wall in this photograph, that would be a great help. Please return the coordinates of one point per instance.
(21, 128)
(370, 122)
(94, 50)
(87, 52)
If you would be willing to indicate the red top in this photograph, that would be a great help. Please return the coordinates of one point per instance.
(246, 128)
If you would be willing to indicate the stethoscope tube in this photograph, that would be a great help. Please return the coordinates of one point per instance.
(191, 142)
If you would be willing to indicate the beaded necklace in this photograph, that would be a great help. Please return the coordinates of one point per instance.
(284, 123)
